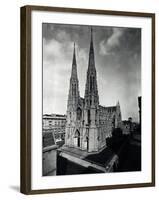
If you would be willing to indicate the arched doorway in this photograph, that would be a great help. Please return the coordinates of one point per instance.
(87, 139)
(77, 135)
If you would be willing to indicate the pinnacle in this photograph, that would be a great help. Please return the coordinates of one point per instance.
(74, 64)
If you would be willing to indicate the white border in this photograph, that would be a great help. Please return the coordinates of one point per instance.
(39, 182)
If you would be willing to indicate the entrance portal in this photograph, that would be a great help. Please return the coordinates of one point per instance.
(78, 138)
(87, 143)
(78, 142)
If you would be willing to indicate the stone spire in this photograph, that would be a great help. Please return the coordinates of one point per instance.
(91, 90)
(91, 64)
(73, 96)
(74, 65)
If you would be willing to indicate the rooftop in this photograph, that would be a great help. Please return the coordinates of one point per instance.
(54, 116)
(101, 158)
(108, 108)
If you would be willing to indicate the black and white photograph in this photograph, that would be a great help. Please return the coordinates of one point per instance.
(88, 99)
(91, 99)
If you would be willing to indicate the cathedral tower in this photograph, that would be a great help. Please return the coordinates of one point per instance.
(73, 96)
(88, 124)
(91, 90)
(91, 109)
(72, 104)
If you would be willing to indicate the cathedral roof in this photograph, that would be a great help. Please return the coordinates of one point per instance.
(108, 109)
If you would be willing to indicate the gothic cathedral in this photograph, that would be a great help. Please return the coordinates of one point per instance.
(88, 124)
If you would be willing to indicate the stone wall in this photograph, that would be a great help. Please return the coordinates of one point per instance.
(49, 160)
(106, 121)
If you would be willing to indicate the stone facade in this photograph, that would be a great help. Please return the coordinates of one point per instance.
(88, 124)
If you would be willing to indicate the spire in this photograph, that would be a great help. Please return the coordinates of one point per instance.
(91, 63)
(74, 55)
(73, 88)
(91, 89)
(74, 64)
(91, 45)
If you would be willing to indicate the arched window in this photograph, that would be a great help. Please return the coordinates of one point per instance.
(89, 117)
(77, 134)
(73, 89)
(90, 102)
(91, 83)
(79, 113)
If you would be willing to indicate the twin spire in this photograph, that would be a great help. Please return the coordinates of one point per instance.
(91, 80)
(91, 62)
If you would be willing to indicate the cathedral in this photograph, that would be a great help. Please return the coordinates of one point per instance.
(88, 124)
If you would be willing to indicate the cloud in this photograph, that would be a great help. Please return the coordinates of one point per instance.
(62, 36)
(51, 49)
(57, 58)
(57, 63)
(107, 45)
(54, 50)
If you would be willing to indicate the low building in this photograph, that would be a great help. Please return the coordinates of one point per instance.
(48, 138)
(54, 124)
(127, 126)
(53, 137)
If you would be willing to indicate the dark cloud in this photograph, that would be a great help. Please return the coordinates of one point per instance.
(117, 59)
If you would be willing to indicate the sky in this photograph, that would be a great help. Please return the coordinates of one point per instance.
(117, 61)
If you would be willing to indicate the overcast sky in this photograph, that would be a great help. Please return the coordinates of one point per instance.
(117, 61)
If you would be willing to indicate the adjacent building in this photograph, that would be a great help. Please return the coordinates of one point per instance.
(88, 124)
(53, 124)
(127, 126)
(53, 137)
